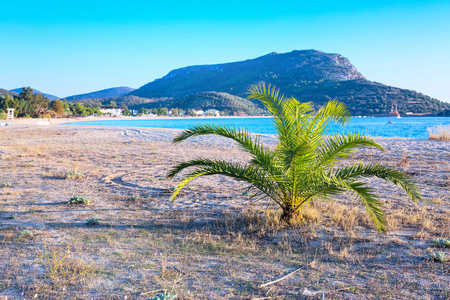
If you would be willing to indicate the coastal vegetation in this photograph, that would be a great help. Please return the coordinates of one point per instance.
(304, 165)
(440, 133)
(35, 105)
(227, 104)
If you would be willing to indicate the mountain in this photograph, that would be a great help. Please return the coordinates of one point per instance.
(127, 100)
(207, 100)
(3, 92)
(51, 97)
(236, 77)
(308, 75)
(107, 93)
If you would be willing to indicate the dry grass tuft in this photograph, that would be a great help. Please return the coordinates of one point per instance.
(439, 133)
(61, 264)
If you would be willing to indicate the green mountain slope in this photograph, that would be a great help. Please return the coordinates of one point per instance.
(235, 78)
(106, 93)
(308, 75)
(363, 97)
(208, 100)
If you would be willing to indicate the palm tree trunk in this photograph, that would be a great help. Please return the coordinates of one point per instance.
(288, 214)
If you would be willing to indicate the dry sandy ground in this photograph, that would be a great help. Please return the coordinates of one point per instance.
(212, 243)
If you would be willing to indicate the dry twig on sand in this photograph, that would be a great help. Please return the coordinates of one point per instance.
(280, 279)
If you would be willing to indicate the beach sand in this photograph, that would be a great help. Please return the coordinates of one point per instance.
(212, 242)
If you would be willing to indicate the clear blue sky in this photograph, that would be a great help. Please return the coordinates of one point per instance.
(72, 47)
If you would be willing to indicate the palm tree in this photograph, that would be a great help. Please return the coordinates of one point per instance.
(304, 164)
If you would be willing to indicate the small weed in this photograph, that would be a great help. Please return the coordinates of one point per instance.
(93, 222)
(404, 161)
(79, 200)
(437, 200)
(134, 198)
(438, 257)
(442, 243)
(59, 265)
(5, 184)
(164, 296)
(73, 175)
(26, 234)
(116, 156)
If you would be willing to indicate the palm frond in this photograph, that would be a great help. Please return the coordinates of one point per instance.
(247, 173)
(381, 171)
(282, 110)
(242, 137)
(339, 146)
(335, 111)
(269, 96)
(371, 203)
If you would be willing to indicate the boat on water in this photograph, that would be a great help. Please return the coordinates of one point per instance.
(394, 112)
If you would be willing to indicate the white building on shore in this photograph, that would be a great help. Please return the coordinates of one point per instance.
(212, 112)
(115, 112)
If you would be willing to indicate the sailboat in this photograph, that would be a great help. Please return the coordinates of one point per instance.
(394, 112)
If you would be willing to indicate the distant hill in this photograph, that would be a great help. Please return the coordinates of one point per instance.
(308, 75)
(126, 100)
(51, 97)
(107, 93)
(208, 100)
(3, 92)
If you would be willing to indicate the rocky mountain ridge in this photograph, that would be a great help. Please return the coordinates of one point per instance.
(308, 75)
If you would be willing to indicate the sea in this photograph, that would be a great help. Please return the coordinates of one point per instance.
(406, 127)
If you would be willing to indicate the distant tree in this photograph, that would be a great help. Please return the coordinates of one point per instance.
(175, 112)
(28, 103)
(91, 111)
(126, 111)
(162, 111)
(111, 104)
(27, 94)
(7, 102)
(58, 107)
(66, 105)
(189, 112)
(154, 111)
(79, 110)
(144, 111)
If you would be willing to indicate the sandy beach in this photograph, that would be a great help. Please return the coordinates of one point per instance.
(212, 242)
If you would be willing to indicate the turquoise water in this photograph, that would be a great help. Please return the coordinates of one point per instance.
(413, 127)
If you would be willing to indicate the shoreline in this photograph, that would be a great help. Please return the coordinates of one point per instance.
(368, 126)
(57, 121)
